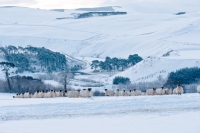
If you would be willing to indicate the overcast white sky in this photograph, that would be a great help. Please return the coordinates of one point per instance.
(72, 4)
(67, 4)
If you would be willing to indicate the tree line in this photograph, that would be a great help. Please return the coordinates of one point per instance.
(183, 76)
(116, 63)
(34, 59)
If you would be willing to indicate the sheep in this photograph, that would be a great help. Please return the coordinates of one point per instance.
(109, 92)
(136, 92)
(51, 94)
(26, 94)
(198, 89)
(117, 93)
(35, 95)
(174, 91)
(90, 92)
(84, 93)
(160, 91)
(46, 94)
(151, 91)
(167, 91)
(73, 94)
(66, 93)
(129, 93)
(179, 90)
(123, 93)
(59, 93)
(41, 94)
(143, 93)
(17, 96)
(21, 95)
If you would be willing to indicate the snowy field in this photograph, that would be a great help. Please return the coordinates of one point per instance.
(143, 114)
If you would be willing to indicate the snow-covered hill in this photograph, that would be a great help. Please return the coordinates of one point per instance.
(150, 28)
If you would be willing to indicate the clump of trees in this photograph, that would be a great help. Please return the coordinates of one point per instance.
(34, 59)
(121, 80)
(91, 14)
(184, 76)
(116, 63)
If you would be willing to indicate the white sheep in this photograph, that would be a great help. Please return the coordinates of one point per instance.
(198, 89)
(35, 95)
(17, 96)
(41, 94)
(59, 93)
(160, 91)
(167, 91)
(117, 92)
(84, 93)
(90, 92)
(109, 92)
(21, 95)
(73, 94)
(179, 90)
(151, 91)
(129, 93)
(136, 92)
(123, 93)
(26, 94)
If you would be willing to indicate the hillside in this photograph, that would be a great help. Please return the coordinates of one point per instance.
(150, 28)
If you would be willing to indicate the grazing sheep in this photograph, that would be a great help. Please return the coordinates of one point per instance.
(26, 94)
(174, 91)
(129, 93)
(66, 93)
(73, 94)
(124, 93)
(51, 94)
(198, 89)
(179, 90)
(59, 93)
(35, 95)
(167, 91)
(41, 94)
(17, 96)
(117, 93)
(143, 93)
(160, 91)
(90, 92)
(136, 92)
(21, 95)
(151, 91)
(84, 93)
(109, 92)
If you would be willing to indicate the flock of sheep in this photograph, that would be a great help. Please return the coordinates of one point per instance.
(85, 93)
(52, 94)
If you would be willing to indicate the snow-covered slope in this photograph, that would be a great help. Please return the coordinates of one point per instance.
(150, 28)
(151, 68)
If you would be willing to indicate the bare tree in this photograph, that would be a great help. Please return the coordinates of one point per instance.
(5, 68)
(65, 78)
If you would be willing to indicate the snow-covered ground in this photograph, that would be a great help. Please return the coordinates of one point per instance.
(144, 114)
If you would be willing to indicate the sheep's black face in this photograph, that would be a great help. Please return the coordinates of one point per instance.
(130, 90)
(124, 90)
(65, 91)
(17, 94)
(51, 90)
(60, 90)
(134, 89)
(89, 90)
(154, 89)
(117, 89)
(105, 89)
